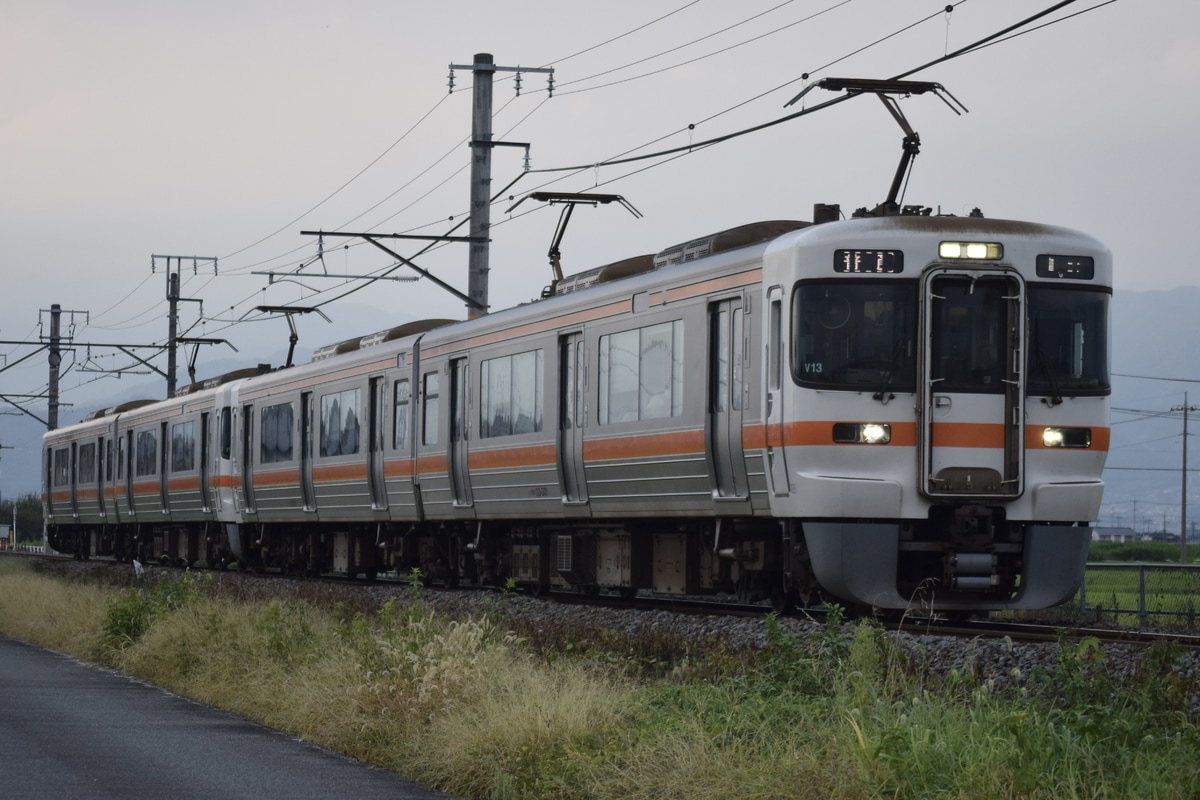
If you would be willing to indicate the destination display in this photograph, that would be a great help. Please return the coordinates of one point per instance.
(1082, 268)
(868, 261)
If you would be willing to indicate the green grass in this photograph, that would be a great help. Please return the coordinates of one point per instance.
(481, 711)
(1172, 595)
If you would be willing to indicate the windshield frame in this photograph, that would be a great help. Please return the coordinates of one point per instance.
(1059, 383)
(881, 361)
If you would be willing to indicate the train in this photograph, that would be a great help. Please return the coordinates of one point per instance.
(890, 412)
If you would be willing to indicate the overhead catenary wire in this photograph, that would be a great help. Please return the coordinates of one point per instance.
(336, 292)
(242, 269)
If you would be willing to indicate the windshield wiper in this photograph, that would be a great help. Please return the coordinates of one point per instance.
(883, 395)
(1055, 398)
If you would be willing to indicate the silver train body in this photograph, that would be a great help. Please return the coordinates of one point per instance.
(895, 412)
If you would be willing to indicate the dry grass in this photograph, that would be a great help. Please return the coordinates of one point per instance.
(37, 610)
(469, 707)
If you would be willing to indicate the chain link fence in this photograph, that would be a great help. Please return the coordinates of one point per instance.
(1139, 594)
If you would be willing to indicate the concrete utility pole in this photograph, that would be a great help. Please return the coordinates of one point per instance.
(55, 363)
(484, 69)
(173, 299)
(1185, 408)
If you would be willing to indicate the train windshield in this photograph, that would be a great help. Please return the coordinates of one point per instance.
(856, 335)
(1068, 348)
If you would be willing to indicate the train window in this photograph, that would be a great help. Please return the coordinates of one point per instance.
(858, 335)
(775, 366)
(226, 432)
(145, 460)
(511, 390)
(968, 351)
(108, 461)
(183, 446)
(87, 463)
(429, 409)
(641, 374)
(1068, 348)
(400, 416)
(339, 423)
(62, 467)
(277, 425)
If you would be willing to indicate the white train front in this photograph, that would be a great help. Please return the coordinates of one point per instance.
(888, 412)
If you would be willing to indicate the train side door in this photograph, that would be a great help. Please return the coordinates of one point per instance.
(972, 384)
(205, 472)
(775, 372)
(726, 361)
(164, 462)
(73, 476)
(572, 378)
(248, 458)
(226, 502)
(307, 493)
(459, 432)
(101, 477)
(125, 468)
(376, 427)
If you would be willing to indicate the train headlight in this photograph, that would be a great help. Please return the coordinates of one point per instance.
(1067, 437)
(978, 251)
(862, 433)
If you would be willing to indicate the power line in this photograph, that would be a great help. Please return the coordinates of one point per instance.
(338, 190)
(696, 41)
(805, 111)
(1154, 377)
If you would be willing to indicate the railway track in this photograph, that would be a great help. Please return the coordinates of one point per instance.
(970, 629)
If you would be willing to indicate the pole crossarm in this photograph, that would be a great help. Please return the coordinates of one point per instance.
(373, 238)
(397, 236)
(129, 352)
(25, 410)
(39, 349)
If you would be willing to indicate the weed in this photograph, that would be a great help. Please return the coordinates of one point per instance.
(483, 712)
(132, 611)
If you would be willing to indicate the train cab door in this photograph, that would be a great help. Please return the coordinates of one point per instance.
(775, 374)
(972, 383)
(572, 379)
(460, 478)
(376, 428)
(726, 398)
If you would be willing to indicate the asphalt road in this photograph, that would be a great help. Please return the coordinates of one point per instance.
(69, 730)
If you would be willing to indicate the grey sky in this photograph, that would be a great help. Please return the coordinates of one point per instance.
(133, 127)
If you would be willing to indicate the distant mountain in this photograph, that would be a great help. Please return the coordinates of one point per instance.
(1152, 337)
